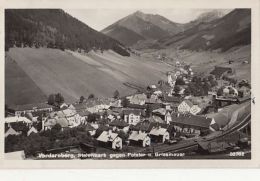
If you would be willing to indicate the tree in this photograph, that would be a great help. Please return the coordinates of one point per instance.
(51, 99)
(56, 128)
(187, 91)
(124, 102)
(177, 89)
(91, 96)
(180, 81)
(59, 99)
(92, 118)
(81, 99)
(116, 94)
(220, 92)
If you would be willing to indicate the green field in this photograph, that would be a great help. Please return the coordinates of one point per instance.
(74, 75)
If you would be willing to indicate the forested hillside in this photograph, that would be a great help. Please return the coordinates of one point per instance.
(54, 28)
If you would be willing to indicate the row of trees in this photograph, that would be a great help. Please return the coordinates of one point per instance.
(50, 139)
(116, 95)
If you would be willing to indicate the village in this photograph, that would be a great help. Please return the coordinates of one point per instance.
(183, 107)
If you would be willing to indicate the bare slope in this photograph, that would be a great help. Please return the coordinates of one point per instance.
(19, 87)
(74, 75)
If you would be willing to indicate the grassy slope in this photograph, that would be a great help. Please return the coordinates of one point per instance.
(204, 62)
(75, 75)
(19, 87)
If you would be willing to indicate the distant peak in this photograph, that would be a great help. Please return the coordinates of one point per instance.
(138, 13)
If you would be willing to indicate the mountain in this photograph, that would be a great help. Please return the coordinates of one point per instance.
(140, 26)
(54, 28)
(205, 17)
(233, 29)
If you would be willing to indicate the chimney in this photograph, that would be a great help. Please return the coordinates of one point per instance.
(42, 125)
(109, 132)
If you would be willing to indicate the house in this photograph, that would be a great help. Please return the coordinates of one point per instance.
(90, 129)
(185, 106)
(95, 105)
(32, 130)
(159, 134)
(138, 99)
(163, 113)
(63, 122)
(244, 91)
(218, 72)
(64, 106)
(173, 101)
(144, 126)
(18, 110)
(132, 116)
(191, 124)
(139, 138)
(16, 119)
(11, 131)
(195, 109)
(110, 140)
(119, 125)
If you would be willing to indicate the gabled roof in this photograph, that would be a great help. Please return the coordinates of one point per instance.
(88, 127)
(188, 102)
(158, 131)
(11, 131)
(172, 99)
(15, 119)
(136, 136)
(143, 126)
(80, 106)
(97, 101)
(107, 136)
(132, 111)
(32, 130)
(161, 111)
(191, 120)
(84, 113)
(63, 122)
(29, 106)
(136, 106)
(119, 123)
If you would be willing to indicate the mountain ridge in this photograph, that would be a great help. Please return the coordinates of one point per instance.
(54, 28)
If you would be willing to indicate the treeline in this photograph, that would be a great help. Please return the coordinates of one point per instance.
(54, 28)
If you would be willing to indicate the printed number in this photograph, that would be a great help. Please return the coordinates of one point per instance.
(239, 153)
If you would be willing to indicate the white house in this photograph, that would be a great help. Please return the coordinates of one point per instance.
(110, 139)
(139, 138)
(132, 116)
(195, 109)
(137, 99)
(163, 113)
(185, 106)
(159, 134)
(16, 119)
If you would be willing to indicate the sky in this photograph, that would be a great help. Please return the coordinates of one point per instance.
(99, 19)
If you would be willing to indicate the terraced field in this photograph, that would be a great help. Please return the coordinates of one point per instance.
(73, 74)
